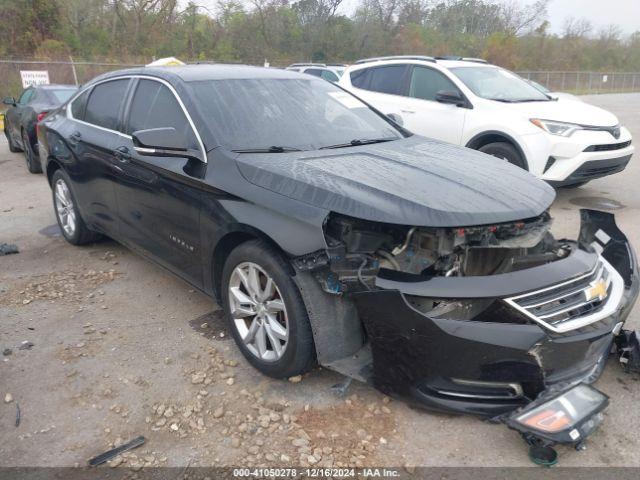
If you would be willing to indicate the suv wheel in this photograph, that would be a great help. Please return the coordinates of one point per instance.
(265, 311)
(70, 222)
(505, 151)
(33, 163)
(12, 146)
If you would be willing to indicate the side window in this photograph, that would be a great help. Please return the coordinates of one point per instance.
(316, 72)
(26, 96)
(427, 82)
(329, 75)
(79, 104)
(155, 106)
(388, 79)
(104, 103)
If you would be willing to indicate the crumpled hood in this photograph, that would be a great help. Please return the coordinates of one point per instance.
(566, 110)
(414, 181)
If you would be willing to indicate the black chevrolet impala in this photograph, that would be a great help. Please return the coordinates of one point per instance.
(330, 235)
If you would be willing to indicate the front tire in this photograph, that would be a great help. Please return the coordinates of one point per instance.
(33, 162)
(265, 311)
(73, 228)
(504, 151)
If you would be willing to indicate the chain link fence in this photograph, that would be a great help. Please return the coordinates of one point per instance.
(62, 72)
(79, 72)
(583, 83)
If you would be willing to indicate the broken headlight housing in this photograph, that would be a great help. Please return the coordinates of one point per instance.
(568, 417)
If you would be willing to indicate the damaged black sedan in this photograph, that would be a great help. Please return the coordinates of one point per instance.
(332, 236)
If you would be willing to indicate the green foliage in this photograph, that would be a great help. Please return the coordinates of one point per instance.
(308, 30)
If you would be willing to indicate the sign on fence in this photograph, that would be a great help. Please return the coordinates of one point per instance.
(34, 77)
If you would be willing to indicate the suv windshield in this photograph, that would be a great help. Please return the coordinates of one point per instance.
(277, 115)
(494, 83)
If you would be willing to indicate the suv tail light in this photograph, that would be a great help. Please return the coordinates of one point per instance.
(41, 115)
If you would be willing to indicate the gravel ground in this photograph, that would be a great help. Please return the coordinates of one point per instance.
(121, 348)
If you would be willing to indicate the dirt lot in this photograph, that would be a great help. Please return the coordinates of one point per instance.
(121, 348)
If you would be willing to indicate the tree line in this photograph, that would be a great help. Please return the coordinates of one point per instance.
(286, 31)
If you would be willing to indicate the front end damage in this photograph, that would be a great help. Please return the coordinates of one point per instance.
(492, 320)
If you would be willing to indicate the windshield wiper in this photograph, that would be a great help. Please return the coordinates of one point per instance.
(271, 149)
(357, 141)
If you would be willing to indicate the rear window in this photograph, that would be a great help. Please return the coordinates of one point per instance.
(103, 106)
(62, 95)
(79, 104)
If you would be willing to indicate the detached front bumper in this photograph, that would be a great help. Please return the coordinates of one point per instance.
(502, 357)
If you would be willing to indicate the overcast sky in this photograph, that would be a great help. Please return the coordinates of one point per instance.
(601, 13)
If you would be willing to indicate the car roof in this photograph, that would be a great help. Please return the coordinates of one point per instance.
(445, 62)
(198, 72)
(56, 86)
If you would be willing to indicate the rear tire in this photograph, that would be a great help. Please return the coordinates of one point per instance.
(256, 318)
(12, 147)
(73, 228)
(504, 151)
(33, 162)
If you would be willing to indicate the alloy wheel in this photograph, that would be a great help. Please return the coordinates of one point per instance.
(258, 312)
(64, 207)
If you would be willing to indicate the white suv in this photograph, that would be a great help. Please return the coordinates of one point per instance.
(469, 102)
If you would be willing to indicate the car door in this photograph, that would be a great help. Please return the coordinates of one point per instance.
(14, 115)
(158, 197)
(91, 135)
(422, 114)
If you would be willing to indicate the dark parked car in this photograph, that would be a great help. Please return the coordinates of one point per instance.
(22, 117)
(330, 235)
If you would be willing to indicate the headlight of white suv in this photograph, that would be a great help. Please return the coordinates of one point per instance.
(556, 128)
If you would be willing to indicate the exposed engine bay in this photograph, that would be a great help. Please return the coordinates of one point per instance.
(359, 250)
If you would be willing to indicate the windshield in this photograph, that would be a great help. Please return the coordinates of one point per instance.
(63, 95)
(495, 83)
(301, 114)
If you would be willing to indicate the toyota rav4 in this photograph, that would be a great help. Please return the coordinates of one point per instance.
(471, 103)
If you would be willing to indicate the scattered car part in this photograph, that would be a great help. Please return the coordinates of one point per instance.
(559, 416)
(26, 345)
(628, 347)
(8, 249)
(114, 452)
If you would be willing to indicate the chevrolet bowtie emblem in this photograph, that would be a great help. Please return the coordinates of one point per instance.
(596, 290)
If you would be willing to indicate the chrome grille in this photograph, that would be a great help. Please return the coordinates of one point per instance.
(574, 303)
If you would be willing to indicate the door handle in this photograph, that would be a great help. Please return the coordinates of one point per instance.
(408, 111)
(122, 154)
(74, 138)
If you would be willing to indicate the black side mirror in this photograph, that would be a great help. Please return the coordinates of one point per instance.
(9, 101)
(162, 142)
(450, 97)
